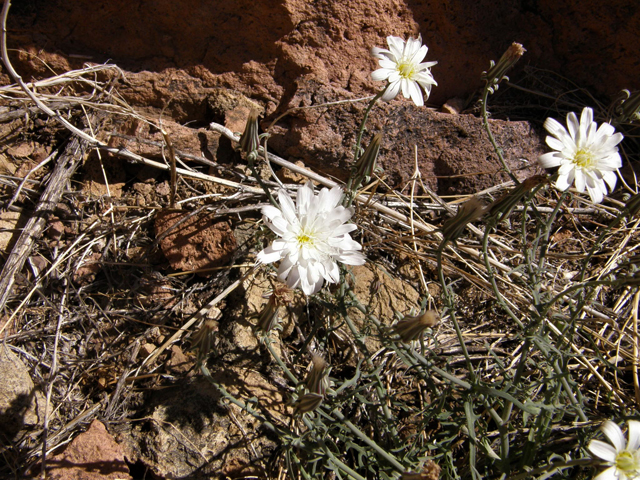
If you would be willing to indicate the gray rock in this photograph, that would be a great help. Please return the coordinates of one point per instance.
(21, 404)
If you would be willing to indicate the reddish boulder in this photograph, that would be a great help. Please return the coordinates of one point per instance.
(92, 455)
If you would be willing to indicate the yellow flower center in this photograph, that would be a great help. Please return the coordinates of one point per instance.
(583, 159)
(305, 238)
(627, 463)
(406, 70)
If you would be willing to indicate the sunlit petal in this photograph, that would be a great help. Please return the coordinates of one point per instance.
(313, 238)
(403, 68)
(584, 153)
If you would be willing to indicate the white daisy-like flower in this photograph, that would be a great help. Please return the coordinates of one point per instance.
(401, 66)
(623, 459)
(585, 154)
(313, 235)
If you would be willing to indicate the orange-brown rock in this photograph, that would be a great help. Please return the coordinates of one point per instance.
(194, 242)
(92, 455)
(273, 49)
(179, 56)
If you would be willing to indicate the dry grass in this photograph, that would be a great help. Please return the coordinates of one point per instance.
(545, 355)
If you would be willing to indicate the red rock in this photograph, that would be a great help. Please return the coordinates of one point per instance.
(454, 152)
(179, 363)
(266, 48)
(199, 242)
(295, 53)
(92, 455)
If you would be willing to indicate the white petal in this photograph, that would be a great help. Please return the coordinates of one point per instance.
(396, 46)
(612, 162)
(586, 118)
(427, 91)
(271, 212)
(392, 91)
(611, 178)
(602, 450)
(596, 189)
(279, 225)
(580, 180)
(269, 255)
(352, 258)
(565, 181)
(293, 277)
(572, 125)
(554, 143)
(554, 127)
(342, 229)
(315, 288)
(418, 55)
(380, 75)
(287, 206)
(596, 193)
(610, 473)
(426, 65)
(549, 160)
(389, 64)
(333, 272)
(634, 435)
(304, 198)
(614, 434)
(330, 199)
(415, 94)
(425, 80)
(380, 53)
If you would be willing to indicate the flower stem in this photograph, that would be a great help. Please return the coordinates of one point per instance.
(373, 101)
(487, 127)
(349, 195)
(274, 354)
(356, 431)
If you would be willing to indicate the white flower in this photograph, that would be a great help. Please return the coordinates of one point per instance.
(313, 236)
(624, 460)
(585, 154)
(401, 66)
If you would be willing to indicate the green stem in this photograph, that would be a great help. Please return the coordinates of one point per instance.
(492, 277)
(255, 173)
(551, 467)
(452, 315)
(267, 342)
(498, 150)
(356, 431)
(223, 391)
(356, 153)
(598, 242)
(331, 457)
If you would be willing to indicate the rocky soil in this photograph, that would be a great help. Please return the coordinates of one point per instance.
(184, 65)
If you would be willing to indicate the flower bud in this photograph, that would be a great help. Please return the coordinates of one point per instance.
(308, 402)
(411, 328)
(317, 381)
(627, 109)
(633, 205)
(366, 163)
(509, 58)
(470, 211)
(204, 338)
(268, 318)
(503, 206)
(250, 140)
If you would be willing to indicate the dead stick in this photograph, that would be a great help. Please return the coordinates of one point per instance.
(56, 185)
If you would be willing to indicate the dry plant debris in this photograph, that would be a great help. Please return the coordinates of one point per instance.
(536, 344)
